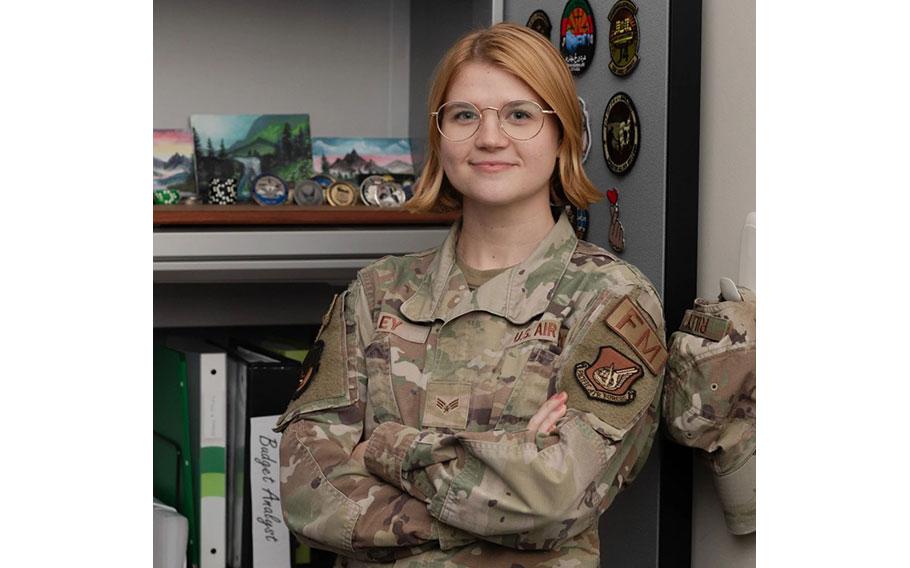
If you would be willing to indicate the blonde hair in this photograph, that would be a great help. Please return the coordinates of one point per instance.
(528, 55)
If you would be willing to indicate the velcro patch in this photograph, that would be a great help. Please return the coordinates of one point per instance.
(403, 329)
(544, 329)
(602, 373)
(324, 384)
(705, 325)
(636, 330)
(610, 376)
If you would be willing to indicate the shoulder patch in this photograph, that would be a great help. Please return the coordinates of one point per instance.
(615, 376)
(632, 325)
(323, 379)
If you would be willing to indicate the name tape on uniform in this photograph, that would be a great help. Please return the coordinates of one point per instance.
(704, 325)
(633, 326)
(545, 329)
(403, 329)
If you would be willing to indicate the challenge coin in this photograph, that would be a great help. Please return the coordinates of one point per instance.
(269, 190)
(341, 194)
(308, 192)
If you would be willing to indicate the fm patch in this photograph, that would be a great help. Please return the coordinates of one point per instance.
(635, 329)
(704, 325)
(609, 377)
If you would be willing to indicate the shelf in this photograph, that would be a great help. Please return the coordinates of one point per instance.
(234, 215)
(281, 254)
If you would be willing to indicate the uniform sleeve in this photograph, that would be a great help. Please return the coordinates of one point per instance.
(530, 492)
(329, 499)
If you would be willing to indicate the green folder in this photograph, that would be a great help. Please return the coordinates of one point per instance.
(171, 452)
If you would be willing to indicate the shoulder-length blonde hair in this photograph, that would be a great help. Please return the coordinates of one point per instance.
(528, 55)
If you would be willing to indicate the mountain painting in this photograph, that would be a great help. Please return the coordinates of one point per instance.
(243, 146)
(352, 158)
(172, 152)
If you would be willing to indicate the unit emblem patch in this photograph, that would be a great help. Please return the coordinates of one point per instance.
(609, 377)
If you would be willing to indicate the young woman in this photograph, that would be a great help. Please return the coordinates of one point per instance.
(481, 403)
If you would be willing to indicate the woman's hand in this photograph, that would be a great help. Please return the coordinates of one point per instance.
(550, 411)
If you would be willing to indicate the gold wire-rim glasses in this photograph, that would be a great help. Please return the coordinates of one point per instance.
(480, 112)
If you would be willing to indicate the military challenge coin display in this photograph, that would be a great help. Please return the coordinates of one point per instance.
(621, 134)
(368, 188)
(341, 194)
(623, 37)
(576, 35)
(390, 194)
(309, 192)
(269, 190)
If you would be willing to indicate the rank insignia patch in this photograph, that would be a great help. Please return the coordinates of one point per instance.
(609, 377)
(444, 406)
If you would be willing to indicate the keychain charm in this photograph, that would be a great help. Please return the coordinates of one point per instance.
(617, 237)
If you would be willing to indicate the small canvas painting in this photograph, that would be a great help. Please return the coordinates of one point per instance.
(172, 152)
(244, 146)
(352, 158)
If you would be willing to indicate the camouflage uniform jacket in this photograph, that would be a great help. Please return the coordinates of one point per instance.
(441, 381)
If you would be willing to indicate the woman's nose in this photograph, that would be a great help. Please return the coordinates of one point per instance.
(490, 135)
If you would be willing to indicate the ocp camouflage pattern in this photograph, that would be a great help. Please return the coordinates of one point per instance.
(441, 381)
(709, 402)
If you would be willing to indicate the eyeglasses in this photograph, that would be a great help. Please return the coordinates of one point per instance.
(520, 120)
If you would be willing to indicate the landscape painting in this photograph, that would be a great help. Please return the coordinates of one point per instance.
(243, 146)
(351, 159)
(172, 152)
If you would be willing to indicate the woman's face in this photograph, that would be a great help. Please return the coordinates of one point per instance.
(490, 167)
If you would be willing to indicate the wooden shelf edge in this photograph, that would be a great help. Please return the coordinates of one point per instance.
(226, 215)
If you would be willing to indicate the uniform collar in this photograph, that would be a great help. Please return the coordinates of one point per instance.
(517, 294)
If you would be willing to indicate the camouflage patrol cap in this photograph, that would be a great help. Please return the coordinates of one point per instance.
(709, 398)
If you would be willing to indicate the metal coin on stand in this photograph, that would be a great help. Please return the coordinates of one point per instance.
(269, 190)
(324, 180)
(624, 37)
(576, 41)
(341, 194)
(540, 23)
(390, 194)
(309, 192)
(368, 189)
(621, 134)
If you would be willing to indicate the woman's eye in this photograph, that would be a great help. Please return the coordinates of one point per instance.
(465, 115)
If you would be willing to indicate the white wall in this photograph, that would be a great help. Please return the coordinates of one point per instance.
(347, 68)
(726, 196)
